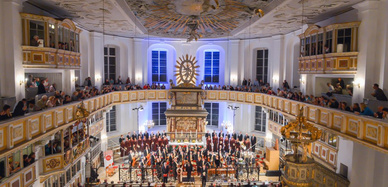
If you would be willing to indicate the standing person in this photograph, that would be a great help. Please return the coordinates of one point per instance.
(41, 88)
(379, 93)
(188, 170)
(253, 141)
(204, 175)
(165, 170)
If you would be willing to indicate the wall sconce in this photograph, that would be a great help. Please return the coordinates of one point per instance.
(98, 77)
(357, 83)
(75, 79)
(275, 79)
(23, 81)
(301, 81)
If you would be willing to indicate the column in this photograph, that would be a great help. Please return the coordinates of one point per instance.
(69, 81)
(275, 65)
(12, 71)
(233, 60)
(96, 59)
(367, 65)
(141, 56)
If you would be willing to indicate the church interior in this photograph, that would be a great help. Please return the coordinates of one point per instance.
(255, 93)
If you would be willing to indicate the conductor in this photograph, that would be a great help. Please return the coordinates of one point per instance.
(165, 170)
(188, 170)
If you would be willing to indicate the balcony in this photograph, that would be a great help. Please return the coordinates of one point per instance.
(44, 57)
(332, 63)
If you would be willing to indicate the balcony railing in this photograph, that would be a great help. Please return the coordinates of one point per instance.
(45, 57)
(332, 63)
(18, 132)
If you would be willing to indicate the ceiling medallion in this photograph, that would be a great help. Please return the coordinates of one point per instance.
(186, 71)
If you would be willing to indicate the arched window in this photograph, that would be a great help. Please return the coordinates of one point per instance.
(159, 65)
(212, 66)
(110, 62)
(262, 65)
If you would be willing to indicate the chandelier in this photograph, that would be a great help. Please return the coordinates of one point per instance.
(227, 125)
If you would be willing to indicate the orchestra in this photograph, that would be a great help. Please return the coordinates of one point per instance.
(149, 150)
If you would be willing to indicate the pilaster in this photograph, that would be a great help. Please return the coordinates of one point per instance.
(11, 65)
(367, 65)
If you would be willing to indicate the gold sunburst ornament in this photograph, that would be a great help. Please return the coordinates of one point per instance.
(186, 71)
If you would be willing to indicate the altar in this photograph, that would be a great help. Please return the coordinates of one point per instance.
(186, 118)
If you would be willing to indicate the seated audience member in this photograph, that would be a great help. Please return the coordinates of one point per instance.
(330, 90)
(385, 114)
(21, 108)
(67, 99)
(356, 108)
(41, 104)
(349, 90)
(6, 113)
(35, 41)
(51, 102)
(365, 110)
(119, 81)
(343, 106)
(338, 89)
(52, 88)
(333, 103)
(379, 113)
(379, 93)
(163, 87)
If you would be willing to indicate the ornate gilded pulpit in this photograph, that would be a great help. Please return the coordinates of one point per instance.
(186, 119)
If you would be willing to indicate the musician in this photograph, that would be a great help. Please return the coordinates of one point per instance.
(208, 144)
(122, 147)
(146, 151)
(189, 168)
(207, 134)
(215, 143)
(227, 135)
(129, 135)
(199, 165)
(220, 134)
(217, 161)
(221, 141)
(247, 143)
(134, 144)
(174, 168)
(146, 135)
(204, 176)
(253, 141)
(234, 135)
(240, 137)
(143, 170)
(233, 144)
(121, 139)
(165, 170)
(226, 144)
(213, 133)
(228, 158)
(130, 158)
(238, 145)
(127, 146)
(153, 159)
(238, 154)
(246, 137)
(134, 135)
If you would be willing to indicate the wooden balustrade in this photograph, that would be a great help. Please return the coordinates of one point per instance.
(369, 131)
(17, 133)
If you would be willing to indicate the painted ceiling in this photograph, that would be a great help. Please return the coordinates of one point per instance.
(172, 18)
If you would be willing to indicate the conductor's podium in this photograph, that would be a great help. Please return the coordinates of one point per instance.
(221, 171)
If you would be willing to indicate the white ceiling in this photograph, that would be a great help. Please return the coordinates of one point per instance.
(120, 16)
